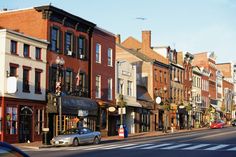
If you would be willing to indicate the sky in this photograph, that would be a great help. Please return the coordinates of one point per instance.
(185, 25)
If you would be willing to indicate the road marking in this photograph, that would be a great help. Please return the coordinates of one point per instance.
(217, 147)
(99, 147)
(137, 146)
(157, 146)
(126, 145)
(176, 146)
(232, 149)
(196, 147)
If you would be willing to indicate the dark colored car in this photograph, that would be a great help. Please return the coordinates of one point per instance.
(7, 150)
(233, 122)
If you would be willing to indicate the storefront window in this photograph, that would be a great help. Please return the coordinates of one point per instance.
(39, 121)
(11, 119)
(104, 119)
(71, 122)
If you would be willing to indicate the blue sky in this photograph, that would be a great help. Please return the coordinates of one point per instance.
(186, 25)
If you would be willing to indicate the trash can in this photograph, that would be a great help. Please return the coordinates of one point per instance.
(125, 131)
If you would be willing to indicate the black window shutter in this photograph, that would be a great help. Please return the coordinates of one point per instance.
(60, 41)
(65, 52)
(50, 38)
(85, 48)
(74, 46)
(50, 79)
(74, 79)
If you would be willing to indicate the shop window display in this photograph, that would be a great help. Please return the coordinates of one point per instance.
(11, 119)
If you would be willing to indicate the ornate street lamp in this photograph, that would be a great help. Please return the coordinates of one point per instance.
(60, 62)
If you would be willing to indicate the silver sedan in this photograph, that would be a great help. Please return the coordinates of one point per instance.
(76, 136)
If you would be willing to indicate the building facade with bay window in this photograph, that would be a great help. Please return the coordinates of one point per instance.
(22, 114)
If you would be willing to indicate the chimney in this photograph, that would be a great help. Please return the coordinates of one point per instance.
(118, 38)
(146, 41)
(180, 58)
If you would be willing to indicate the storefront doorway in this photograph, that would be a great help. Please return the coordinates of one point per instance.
(25, 129)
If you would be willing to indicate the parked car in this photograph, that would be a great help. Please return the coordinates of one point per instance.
(76, 136)
(217, 124)
(233, 122)
(7, 150)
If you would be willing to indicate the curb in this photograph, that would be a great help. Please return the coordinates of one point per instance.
(134, 136)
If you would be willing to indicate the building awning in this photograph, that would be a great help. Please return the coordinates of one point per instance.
(213, 102)
(216, 107)
(147, 104)
(143, 95)
(133, 104)
(72, 104)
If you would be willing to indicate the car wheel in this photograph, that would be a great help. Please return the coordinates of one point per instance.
(75, 142)
(96, 140)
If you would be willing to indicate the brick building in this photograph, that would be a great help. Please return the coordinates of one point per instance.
(71, 39)
(102, 77)
(22, 114)
(155, 78)
(209, 63)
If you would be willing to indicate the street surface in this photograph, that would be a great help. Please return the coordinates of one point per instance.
(204, 143)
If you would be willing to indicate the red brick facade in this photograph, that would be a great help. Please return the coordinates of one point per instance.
(39, 21)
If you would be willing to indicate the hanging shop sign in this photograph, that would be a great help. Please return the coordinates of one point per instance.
(111, 109)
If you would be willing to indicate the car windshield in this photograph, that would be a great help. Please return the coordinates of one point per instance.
(70, 131)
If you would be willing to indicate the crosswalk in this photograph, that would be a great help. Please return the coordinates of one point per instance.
(148, 146)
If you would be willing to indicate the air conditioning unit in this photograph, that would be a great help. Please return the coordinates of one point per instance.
(69, 53)
(82, 56)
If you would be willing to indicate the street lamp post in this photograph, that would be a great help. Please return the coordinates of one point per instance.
(122, 104)
(60, 62)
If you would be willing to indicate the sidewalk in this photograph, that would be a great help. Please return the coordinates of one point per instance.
(108, 139)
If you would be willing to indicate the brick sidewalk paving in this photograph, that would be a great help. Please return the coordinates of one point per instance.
(38, 144)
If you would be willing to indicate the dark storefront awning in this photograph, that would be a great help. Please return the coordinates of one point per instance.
(72, 104)
(215, 105)
(144, 98)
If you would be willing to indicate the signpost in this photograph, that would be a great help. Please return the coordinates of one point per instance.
(121, 111)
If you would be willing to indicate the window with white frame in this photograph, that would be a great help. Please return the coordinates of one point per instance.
(129, 88)
(109, 56)
(110, 89)
(39, 121)
(68, 81)
(98, 86)
(98, 53)
(120, 86)
(11, 119)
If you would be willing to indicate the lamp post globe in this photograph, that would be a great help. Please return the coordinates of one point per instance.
(158, 100)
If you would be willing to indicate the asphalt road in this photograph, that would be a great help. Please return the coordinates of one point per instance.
(204, 143)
